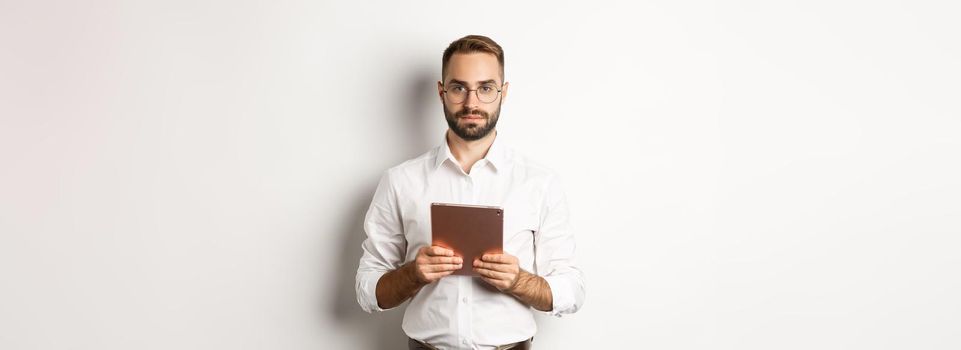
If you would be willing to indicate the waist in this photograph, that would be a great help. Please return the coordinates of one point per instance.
(414, 344)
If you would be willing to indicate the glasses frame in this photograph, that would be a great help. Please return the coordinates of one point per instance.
(476, 93)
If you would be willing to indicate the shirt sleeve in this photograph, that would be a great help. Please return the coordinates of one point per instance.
(385, 245)
(554, 249)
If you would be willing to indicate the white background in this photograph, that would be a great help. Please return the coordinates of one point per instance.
(742, 174)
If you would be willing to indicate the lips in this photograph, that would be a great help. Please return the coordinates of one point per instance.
(473, 117)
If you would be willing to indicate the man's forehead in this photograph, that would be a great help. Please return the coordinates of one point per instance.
(476, 68)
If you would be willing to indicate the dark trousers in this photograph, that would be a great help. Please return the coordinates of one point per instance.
(414, 344)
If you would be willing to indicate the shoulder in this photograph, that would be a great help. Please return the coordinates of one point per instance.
(531, 169)
(411, 169)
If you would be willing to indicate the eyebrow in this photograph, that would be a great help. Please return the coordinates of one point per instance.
(488, 81)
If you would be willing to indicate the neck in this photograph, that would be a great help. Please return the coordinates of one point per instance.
(469, 152)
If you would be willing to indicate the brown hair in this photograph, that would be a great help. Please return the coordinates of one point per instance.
(471, 44)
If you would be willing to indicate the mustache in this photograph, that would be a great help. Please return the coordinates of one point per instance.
(473, 111)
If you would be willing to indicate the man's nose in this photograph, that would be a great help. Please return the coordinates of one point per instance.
(471, 101)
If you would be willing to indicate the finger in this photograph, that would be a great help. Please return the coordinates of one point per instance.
(485, 273)
(480, 262)
(499, 258)
(494, 274)
(443, 267)
(445, 260)
(440, 251)
(495, 266)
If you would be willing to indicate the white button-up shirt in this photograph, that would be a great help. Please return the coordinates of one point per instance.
(464, 312)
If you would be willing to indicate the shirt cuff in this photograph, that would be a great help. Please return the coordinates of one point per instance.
(561, 294)
(367, 291)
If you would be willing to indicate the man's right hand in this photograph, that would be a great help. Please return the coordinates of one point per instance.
(431, 264)
(434, 262)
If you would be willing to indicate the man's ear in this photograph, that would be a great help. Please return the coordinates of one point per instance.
(440, 90)
(504, 91)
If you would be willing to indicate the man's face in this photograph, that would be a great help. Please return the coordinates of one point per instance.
(472, 118)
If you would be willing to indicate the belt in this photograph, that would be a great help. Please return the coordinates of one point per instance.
(414, 344)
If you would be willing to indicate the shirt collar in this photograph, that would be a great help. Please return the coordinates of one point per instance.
(496, 154)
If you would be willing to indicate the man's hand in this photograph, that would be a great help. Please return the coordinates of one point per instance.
(432, 263)
(502, 272)
(499, 270)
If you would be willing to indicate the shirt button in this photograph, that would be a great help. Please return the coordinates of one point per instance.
(464, 299)
(464, 341)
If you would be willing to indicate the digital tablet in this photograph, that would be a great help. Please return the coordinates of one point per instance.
(469, 230)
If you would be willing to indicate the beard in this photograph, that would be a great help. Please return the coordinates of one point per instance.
(471, 130)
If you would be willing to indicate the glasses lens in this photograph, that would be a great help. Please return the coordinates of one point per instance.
(487, 93)
(456, 93)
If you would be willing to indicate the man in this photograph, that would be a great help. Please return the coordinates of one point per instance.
(471, 166)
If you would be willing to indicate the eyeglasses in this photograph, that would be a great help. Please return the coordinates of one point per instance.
(486, 93)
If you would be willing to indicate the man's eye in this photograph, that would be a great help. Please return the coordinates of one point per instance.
(457, 88)
(487, 88)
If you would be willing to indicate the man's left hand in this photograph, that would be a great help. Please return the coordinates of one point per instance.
(499, 270)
